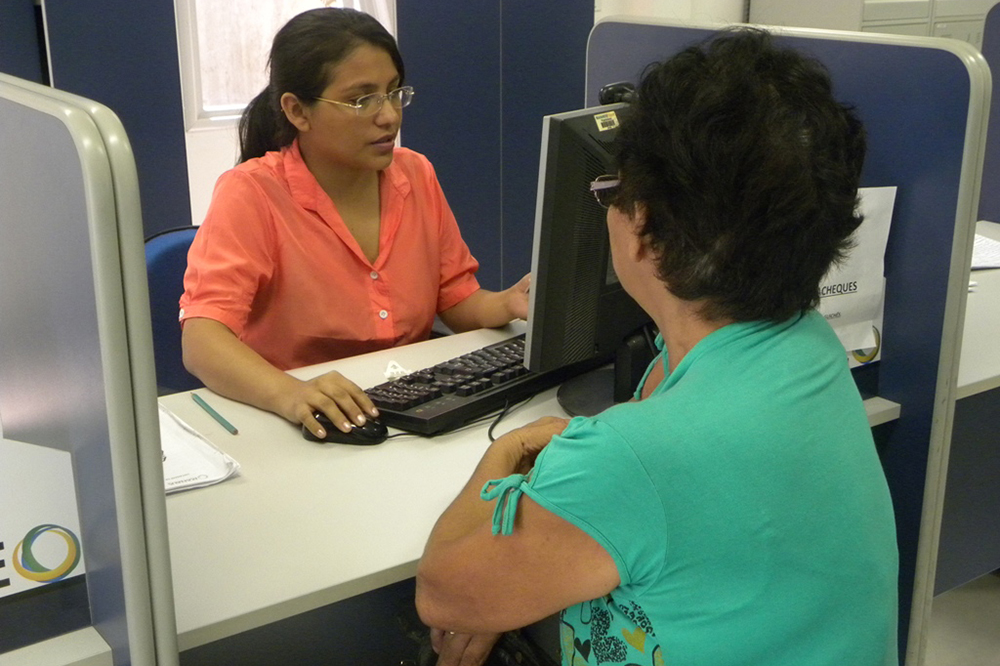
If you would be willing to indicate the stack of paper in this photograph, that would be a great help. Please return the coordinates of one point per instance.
(190, 460)
(985, 253)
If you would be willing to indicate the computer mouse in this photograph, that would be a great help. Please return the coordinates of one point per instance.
(372, 432)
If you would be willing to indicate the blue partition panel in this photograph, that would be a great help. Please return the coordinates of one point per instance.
(989, 199)
(543, 73)
(922, 105)
(123, 54)
(453, 64)
(20, 54)
(485, 73)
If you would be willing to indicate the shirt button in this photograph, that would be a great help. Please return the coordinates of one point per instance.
(374, 275)
(383, 314)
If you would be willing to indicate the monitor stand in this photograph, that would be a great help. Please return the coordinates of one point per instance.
(588, 394)
(593, 392)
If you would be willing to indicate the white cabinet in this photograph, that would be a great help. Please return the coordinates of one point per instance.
(959, 19)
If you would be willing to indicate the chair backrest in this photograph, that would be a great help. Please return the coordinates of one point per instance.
(166, 261)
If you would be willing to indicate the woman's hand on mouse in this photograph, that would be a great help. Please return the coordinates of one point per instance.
(334, 395)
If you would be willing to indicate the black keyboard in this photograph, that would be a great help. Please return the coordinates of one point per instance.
(452, 394)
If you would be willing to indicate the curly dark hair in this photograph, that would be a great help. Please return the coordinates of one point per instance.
(747, 170)
(303, 53)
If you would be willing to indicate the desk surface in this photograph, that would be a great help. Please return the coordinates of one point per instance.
(979, 364)
(307, 524)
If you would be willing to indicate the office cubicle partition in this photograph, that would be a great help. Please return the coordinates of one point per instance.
(924, 103)
(76, 362)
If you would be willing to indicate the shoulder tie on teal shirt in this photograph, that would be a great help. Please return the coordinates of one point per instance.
(509, 492)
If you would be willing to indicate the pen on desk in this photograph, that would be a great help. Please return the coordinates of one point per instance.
(215, 415)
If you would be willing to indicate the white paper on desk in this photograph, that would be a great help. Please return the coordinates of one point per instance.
(851, 293)
(985, 253)
(190, 460)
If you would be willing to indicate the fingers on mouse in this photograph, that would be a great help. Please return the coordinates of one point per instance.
(372, 432)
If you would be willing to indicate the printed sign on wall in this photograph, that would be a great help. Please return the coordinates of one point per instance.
(852, 294)
(39, 522)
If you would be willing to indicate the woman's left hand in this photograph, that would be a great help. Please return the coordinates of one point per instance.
(457, 649)
(520, 447)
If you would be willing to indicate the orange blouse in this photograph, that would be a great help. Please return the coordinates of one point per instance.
(275, 263)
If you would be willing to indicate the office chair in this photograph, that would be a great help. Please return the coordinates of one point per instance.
(166, 261)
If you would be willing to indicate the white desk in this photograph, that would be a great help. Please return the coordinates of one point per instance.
(83, 647)
(306, 524)
(969, 543)
(979, 365)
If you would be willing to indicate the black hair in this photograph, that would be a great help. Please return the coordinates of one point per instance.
(747, 169)
(303, 54)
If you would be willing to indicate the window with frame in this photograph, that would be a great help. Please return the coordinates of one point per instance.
(224, 46)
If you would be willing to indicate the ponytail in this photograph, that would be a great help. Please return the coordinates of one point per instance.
(263, 127)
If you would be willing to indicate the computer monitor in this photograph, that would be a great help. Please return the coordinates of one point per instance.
(578, 311)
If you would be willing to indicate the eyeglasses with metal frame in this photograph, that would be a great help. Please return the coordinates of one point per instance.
(369, 105)
(605, 189)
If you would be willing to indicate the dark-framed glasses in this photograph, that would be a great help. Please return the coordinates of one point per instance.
(369, 105)
(605, 189)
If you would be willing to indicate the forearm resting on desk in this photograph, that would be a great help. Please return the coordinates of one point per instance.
(226, 365)
(473, 581)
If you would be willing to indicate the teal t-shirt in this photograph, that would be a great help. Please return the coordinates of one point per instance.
(744, 506)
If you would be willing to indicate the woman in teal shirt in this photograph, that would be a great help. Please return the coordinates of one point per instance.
(736, 513)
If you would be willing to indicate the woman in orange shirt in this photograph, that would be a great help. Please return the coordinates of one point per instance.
(326, 240)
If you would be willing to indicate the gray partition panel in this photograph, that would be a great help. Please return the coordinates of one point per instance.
(970, 530)
(75, 348)
(924, 103)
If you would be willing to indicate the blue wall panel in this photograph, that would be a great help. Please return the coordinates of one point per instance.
(20, 55)
(123, 54)
(486, 72)
(452, 56)
(544, 72)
